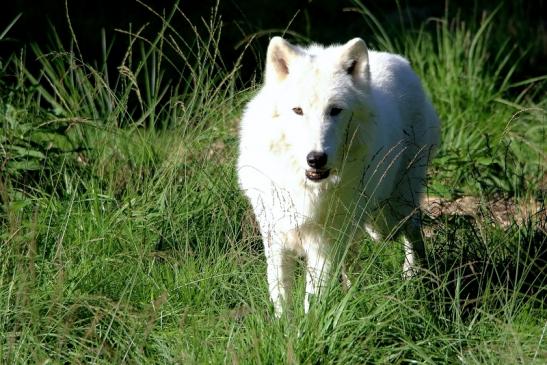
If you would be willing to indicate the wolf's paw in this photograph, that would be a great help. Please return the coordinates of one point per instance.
(345, 281)
(409, 273)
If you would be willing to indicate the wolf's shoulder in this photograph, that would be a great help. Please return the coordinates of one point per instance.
(385, 62)
(392, 71)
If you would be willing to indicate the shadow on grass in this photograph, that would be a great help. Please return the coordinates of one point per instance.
(471, 265)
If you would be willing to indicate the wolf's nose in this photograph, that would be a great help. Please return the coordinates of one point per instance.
(317, 159)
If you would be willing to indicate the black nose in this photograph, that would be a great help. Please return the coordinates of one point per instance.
(316, 159)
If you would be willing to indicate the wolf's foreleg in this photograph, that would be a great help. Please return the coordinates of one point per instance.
(318, 273)
(280, 270)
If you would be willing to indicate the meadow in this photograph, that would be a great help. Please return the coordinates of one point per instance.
(124, 237)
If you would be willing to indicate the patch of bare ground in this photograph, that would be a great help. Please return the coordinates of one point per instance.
(503, 212)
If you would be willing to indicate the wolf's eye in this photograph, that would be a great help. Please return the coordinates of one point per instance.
(334, 111)
(297, 111)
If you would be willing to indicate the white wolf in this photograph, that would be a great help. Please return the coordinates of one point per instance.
(336, 142)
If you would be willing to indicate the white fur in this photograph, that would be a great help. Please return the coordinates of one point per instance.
(378, 148)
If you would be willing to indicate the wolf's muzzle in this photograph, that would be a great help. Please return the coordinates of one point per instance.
(317, 161)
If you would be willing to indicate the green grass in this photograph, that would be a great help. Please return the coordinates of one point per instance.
(124, 238)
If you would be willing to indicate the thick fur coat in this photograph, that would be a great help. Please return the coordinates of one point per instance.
(335, 143)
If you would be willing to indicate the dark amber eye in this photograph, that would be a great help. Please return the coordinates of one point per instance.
(334, 111)
(298, 111)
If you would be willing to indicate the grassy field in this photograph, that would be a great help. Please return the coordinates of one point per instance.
(124, 238)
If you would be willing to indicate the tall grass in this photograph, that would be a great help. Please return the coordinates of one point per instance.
(124, 238)
(491, 123)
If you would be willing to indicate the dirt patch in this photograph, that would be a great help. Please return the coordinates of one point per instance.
(502, 212)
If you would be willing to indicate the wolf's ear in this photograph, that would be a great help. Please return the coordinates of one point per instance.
(354, 58)
(280, 55)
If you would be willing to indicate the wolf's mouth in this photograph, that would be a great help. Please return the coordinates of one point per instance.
(317, 174)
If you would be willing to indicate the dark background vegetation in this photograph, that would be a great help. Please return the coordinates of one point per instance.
(323, 21)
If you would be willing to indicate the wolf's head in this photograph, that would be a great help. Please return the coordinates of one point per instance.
(319, 97)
